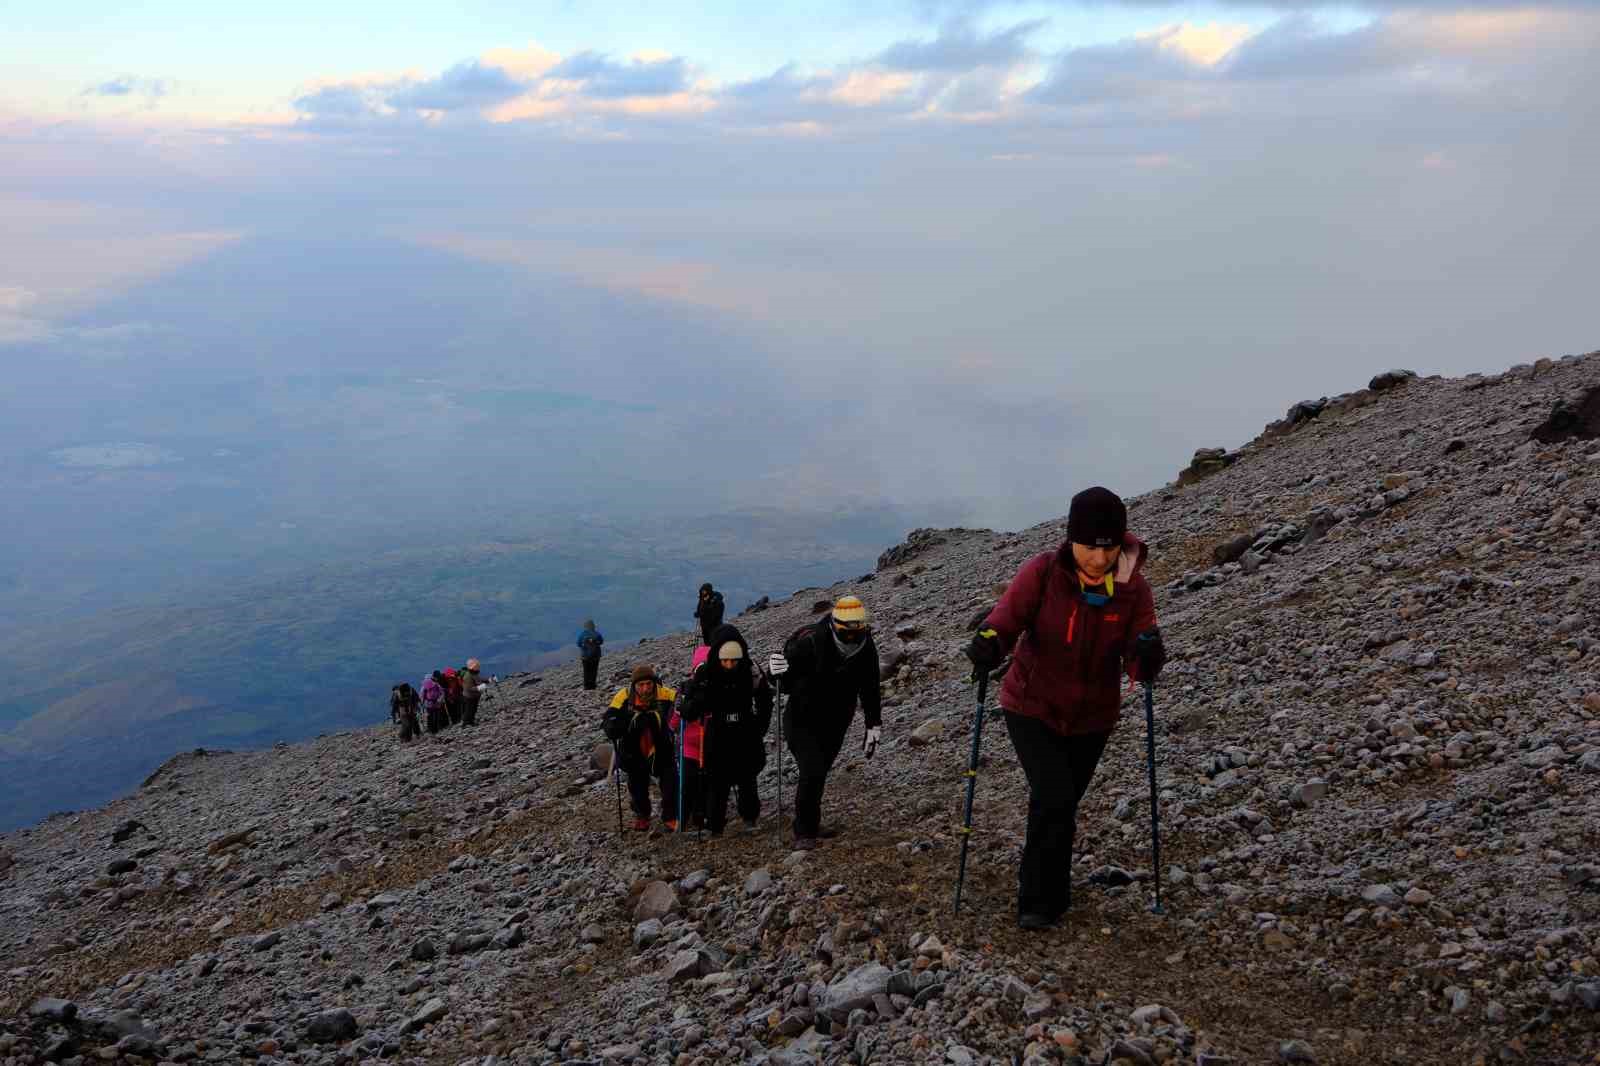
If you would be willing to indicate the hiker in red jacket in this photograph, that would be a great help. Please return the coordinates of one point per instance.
(1073, 617)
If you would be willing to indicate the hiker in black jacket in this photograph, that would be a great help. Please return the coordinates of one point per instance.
(825, 669)
(708, 611)
(734, 701)
(636, 722)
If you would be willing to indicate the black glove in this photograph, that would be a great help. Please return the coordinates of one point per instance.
(985, 650)
(1149, 654)
(614, 728)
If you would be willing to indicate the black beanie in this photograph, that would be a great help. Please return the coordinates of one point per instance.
(1098, 518)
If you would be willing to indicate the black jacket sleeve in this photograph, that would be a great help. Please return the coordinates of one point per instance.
(801, 652)
(693, 706)
(763, 702)
(868, 686)
(616, 722)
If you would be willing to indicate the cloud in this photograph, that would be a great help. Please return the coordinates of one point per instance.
(465, 85)
(149, 89)
(959, 48)
(598, 76)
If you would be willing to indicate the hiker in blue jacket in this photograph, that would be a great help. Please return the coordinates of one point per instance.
(589, 642)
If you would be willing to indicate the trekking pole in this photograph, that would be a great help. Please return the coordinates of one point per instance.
(780, 762)
(616, 776)
(1155, 802)
(972, 783)
(683, 727)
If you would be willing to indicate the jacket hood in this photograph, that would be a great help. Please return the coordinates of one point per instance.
(1129, 563)
(724, 633)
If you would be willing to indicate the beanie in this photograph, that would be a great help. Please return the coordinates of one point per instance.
(1098, 519)
(472, 664)
(849, 609)
(642, 672)
(730, 650)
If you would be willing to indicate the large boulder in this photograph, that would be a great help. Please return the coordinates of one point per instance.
(656, 901)
(855, 990)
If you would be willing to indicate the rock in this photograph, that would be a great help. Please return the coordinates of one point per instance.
(423, 950)
(431, 1012)
(266, 941)
(383, 900)
(1110, 876)
(1589, 995)
(1390, 379)
(1296, 1051)
(1382, 895)
(758, 882)
(1154, 1014)
(927, 732)
(689, 964)
(230, 840)
(331, 902)
(646, 933)
(656, 901)
(1416, 897)
(332, 1027)
(1310, 792)
(855, 990)
(600, 758)
(468, 943)
(121, 866)
(1548, 755)
(55, 1010)
(510, 937)
(135, 1044)
(592, 934)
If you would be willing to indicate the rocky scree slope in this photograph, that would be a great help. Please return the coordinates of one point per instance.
(1379, 746)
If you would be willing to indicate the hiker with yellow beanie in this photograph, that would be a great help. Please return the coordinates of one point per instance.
(825, 669)
(636, 722)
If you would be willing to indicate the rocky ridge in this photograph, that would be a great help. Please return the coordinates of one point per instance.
(1379, 745)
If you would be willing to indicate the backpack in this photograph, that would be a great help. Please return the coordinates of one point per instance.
(589, 644)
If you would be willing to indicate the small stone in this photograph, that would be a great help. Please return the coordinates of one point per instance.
(656, 901)
(121, 866)
(592, 934)
(758, 882)
(1296, 1051)
(1494, 1012)
(332, 1027)
(1419, 896)
(266, 941)
(55, 1010)
(927, 732)
(431, 1012)
(424, 951)
(332, 901)
(1276, 941)
(1382, 895)
(646, 933)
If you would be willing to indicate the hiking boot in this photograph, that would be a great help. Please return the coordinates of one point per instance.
(1035, 923)
(670, 825)
(641, 825)
(805, 843)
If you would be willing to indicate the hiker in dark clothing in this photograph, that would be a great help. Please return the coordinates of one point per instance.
(472, 689)
(636, 722)
(708, 611)
(826, 668)
(1074, 617)
(734, 702)
(590, 640)
(403, 704)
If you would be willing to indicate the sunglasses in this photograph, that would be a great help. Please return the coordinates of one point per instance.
(850, 632)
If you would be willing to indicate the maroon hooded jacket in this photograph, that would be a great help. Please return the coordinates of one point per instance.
(1069, 654)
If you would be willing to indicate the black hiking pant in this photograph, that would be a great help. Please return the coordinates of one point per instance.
(720, 787)
(437, 717)
(814, 745)
(665, 771)
(1058, 769)
(452, 706)
(591, 672)
(469, 709)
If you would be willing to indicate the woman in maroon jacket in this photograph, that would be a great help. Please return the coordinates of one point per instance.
(1074, 617)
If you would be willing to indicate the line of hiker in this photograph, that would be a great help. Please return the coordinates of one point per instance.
(445, 698)
(1071, 625)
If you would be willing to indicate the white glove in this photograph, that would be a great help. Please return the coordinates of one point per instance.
(873, 736)
(777, 666)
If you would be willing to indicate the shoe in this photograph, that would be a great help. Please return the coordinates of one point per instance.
(805, 843)
(641, 825)
(1035, 922)
(670, 826)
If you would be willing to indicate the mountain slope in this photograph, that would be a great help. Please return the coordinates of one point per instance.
(1378, 751)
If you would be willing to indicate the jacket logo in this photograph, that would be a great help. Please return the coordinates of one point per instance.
(1113, 618)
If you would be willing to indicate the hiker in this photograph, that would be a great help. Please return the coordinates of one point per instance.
(708, 611)
(1072, 618)
(732, 701)
(636, 722)
(433, 701)
(825, 669)
(403, 703)
(452, 695)
(692, 750)
(472, 690)
(589, 642)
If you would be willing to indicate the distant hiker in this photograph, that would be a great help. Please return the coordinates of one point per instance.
(733, 702)
(452, 695)
(708, 611)
(403, 704)
(636, 722)
(589, 641)
(433, 702)
(826, 668)
(1073, 616)
(472, 689)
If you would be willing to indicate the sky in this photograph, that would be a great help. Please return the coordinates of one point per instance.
(969, 250)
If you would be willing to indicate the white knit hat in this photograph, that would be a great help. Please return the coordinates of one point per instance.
(730, 650)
